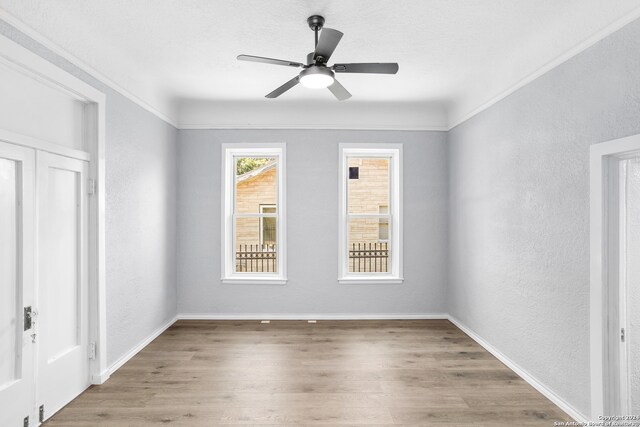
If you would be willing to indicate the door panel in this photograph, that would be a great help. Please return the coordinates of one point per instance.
(9, 292)
(631, 279)
(16, 283)
(63, 291)
(62, 286)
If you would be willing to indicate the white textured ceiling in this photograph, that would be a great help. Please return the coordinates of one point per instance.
(457, 54)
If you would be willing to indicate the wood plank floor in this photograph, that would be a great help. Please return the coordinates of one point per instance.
(332, 373)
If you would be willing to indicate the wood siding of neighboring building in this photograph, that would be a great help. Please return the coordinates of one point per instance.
(250, 195)
(368, 194)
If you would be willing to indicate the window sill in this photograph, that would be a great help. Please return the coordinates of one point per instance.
(254, 280)
(370, 280)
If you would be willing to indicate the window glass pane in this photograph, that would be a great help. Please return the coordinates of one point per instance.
(366, 253)
(383, 224)
(252, 255)
(256, 183)
(268, 225)
(367, 184)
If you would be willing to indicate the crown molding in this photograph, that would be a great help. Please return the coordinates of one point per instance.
(214, 126)
(452, 122)
(559, 60)
(30, 32)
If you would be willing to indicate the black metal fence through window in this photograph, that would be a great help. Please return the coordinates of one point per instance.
(369, 257)
(256, 258)
(363, 258)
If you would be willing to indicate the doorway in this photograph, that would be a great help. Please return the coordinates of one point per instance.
(52, 261)
(615, 280)
(44, 347)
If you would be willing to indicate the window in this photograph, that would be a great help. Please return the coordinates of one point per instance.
(370, 213)
(253, 220)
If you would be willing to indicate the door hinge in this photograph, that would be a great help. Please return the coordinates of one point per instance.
(25, 423)
(41, 413)
(622, 334)
(91, 187)
(92, 350)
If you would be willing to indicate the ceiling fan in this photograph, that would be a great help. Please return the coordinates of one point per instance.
(315, 73)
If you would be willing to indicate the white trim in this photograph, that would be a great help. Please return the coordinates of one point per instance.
(139, 347)
(32, 65)
(302, 316)
(395, 214)
(42, 145)
(535, 383)
(370, 280)
(30, 32)
(604, 252)
(561, 59)
(228, 183)
(24, 61)
(255, 280)
(312, 126)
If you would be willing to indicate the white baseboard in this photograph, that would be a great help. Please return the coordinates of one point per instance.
(135, 350)
(548, 393)
(385, 316)
(101, 378)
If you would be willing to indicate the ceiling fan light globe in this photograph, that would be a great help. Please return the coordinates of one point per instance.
(316, 77)
(316, 81)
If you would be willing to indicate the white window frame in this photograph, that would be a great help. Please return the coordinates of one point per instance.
(229, 153)
(394, 153)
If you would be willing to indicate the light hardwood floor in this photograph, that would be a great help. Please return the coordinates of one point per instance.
(332, 373)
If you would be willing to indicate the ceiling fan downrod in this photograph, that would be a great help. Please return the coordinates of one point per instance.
(316, 23)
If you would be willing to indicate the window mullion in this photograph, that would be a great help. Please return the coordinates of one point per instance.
(255, 215)
(368, 216)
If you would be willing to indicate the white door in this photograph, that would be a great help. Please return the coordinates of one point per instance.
(63, 363)
(629, 178)
(16, 283)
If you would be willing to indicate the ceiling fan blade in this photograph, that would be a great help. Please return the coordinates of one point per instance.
(339, 91)
(264, 60)
(282, 89)
(329, 39)
(373, 67)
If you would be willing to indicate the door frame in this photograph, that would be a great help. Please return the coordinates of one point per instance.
(604, 265)
(28, 63)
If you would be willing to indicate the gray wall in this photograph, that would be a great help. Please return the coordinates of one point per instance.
(140, 212)
(519, 210)
(312, 210)
(518, 217)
